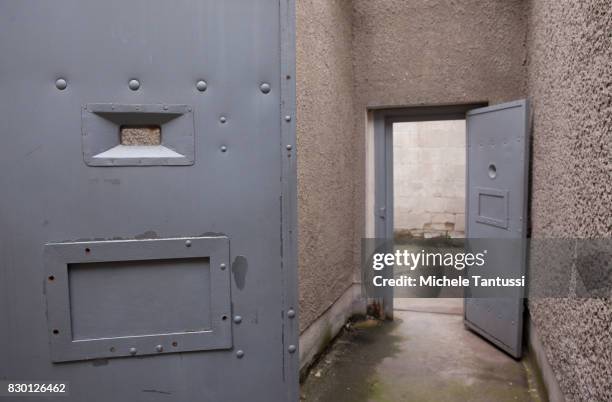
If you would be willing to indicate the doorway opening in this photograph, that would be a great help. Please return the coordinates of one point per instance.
(428, 176)
(424, 201)
(429, 179)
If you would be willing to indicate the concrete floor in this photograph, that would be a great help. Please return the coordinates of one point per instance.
(421, 356)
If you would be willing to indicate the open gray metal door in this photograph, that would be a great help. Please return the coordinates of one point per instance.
(148, 209)
(497, 189)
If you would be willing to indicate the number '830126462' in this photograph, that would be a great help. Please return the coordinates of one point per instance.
(32, 387)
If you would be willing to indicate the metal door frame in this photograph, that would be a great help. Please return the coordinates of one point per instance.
(384, 118)
(287, 143)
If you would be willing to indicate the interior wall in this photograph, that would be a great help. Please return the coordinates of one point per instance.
(570, 88)
(326, 193)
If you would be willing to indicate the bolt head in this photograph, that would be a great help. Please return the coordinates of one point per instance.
(265, 88)
(240, 354)
(201, 85)
(134, 84)
(222, 266)
(289, 147)
(237, 319)
(188, 243)
(291, 313)
(223, 148)
(223, 119)
(61, 84)
(292, 348)
(287, 118)
(159, 348)
(133, 351)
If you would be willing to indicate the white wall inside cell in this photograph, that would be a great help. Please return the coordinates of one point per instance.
(429, 178)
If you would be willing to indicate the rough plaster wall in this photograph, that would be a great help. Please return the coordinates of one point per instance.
(326, 193)
(570, 86)
(429, 178)
(432, 52)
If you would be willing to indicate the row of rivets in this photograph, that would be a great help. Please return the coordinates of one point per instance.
(291, 314)
(201, 86)
(291, 348)
(134, 85)
(134, 351)
(224, 148)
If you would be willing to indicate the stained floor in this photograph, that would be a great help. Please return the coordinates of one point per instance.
(425, 354)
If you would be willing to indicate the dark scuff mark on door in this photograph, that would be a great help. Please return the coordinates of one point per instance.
(239, 269)
(155, 391)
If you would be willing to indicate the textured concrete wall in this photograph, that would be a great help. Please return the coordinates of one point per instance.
(326, 166)
(429, 178)
(437, 51)
(355, 55)
(409, 53)
(570, 86)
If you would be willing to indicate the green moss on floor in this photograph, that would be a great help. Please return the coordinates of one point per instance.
(345, 370)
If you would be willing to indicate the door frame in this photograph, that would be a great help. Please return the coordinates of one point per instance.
(289, 220)
(383, 120)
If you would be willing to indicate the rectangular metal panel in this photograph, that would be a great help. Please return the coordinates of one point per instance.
(491, 206)
(497, 190)
(124, 298)
(240, 184)
(137, 297)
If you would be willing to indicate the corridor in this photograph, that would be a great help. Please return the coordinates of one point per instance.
(424, 355)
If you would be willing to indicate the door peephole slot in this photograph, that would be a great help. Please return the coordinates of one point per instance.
(140, 135)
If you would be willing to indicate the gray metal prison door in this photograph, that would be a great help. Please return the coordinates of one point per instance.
(497, 173)
(147, 207)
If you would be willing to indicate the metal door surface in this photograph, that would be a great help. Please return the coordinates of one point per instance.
(148, 209)
(497, 188)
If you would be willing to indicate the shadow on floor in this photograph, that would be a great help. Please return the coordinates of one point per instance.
(421, 357)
